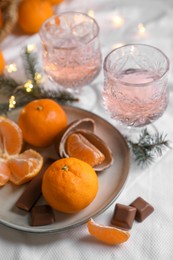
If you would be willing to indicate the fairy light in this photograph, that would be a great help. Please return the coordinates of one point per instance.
(11, 67)
(30, 48)
(118, 21)
(141, 29)
(38, 77)
(91, 13)
(12, 102)
(28, 86)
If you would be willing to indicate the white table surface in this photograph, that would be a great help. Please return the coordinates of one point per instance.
(151, 239)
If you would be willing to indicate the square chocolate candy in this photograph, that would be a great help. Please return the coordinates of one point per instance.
(143, 209)
(123, 216)
(42, 215)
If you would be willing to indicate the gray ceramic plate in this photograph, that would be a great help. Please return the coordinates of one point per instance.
(111, 183)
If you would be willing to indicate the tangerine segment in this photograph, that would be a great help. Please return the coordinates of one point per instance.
(79, 147)
(4, 172)
(25, 166)
(10, 137)
(107, 234)
(69, 185)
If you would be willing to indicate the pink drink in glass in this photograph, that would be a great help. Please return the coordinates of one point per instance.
(135, 91)
(75, 71)
(71, 50)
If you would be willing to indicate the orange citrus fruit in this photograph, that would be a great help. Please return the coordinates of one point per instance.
(15, 166)
(4, 172)
(25, 166)
(2, 63)
(79, 147)
(69, 185)
(41, 120)
(107, 234)
(10, 138)
(32, 14)
(55, 2)
(1, 19)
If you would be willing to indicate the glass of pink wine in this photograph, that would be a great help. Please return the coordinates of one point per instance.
(135, 91)
(71, 53)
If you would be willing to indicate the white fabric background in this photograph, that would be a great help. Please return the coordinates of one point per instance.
(151, 239)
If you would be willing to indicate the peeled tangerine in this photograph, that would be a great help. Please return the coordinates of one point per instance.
(80, 141)
(78, 146)
(15, 166)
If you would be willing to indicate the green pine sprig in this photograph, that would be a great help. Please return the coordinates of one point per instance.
(148, 147)
(10, 87)
(30, 64)
(31, 69)
(7, 85)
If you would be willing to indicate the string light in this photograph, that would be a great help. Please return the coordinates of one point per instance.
(38, 77)
(118, 21)
(28, 86)
(12, 102)
(11, 67)
(30, 48)
(141, 29)
(91, 13)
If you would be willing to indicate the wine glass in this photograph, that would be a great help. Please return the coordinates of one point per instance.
(71, 53)
(135, 88)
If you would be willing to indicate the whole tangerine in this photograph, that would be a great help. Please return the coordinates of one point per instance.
(69, 185)
(2, 63)
(32, 14)
(41, 120)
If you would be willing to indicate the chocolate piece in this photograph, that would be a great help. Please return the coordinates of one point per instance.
(33, 190)
(143, 209)
(123, 216)
(42, 215)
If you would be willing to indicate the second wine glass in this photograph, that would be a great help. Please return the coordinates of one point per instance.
(71, 53)
(136, 84)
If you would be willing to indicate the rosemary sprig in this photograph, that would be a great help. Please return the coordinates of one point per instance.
(148, 147)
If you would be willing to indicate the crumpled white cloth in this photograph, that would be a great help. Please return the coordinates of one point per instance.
(151, 239)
